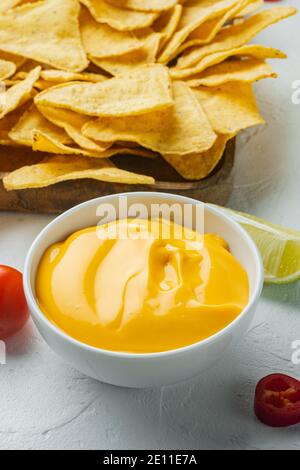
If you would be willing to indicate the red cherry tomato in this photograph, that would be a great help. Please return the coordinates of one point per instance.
(277, 400)
(13, 306)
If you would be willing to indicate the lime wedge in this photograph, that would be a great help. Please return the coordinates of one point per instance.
(279, 246)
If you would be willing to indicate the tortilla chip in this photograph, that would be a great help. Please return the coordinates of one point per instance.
(236, 35)
(52, 77)
(21, 75)
(43, 142)
(230, 107)
(192, 17)
(142, 91)
(47, 32)
(54, 170)
(208, 30)
(204, 34)
(18, 77)
(134, 60)
(252, 50)
(32, 120)
(101, 40)
(61, 76)
(248, 71)
(251, 8)
(7, 123)
(16, 59)
(10, 82)
(119, 18)
(7, 69)
(197, 166)
(18, 94)
(7, 4)
(182, 129)
(72, 123)
(144, 5)
(167, 24)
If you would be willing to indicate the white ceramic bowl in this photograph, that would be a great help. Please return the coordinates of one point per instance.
(144, 370)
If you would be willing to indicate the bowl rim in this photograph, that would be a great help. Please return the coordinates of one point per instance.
(37, 313)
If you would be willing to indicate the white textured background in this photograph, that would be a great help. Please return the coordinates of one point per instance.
(44, 404)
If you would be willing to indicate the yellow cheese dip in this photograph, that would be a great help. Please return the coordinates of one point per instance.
(140, 295)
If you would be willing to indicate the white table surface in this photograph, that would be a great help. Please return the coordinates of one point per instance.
(45, 404)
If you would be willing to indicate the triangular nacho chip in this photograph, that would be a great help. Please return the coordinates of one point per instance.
(144, 90)
(16, 59)
(167, 24)
(197, 166)
(18, 94)
(248, 71)
(7, 69)
(72, 123)
(251, 50)
(46, 31)
(61, 76)
(119, 18)
(230, 107)
(133, 60)
(101, 40)
(237, 35)
(44, 142)
(32, 120)
(7, 4)
(144, 5)
(251, 8)
(60, 168)
(7, 123)
(192, 17)
(182, 129)
(210, 28)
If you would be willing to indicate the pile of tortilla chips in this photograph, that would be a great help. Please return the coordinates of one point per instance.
(85, 80)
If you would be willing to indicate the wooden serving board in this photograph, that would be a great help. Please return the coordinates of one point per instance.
(216, 188)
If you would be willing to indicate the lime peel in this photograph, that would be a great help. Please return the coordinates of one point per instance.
(279, 246)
